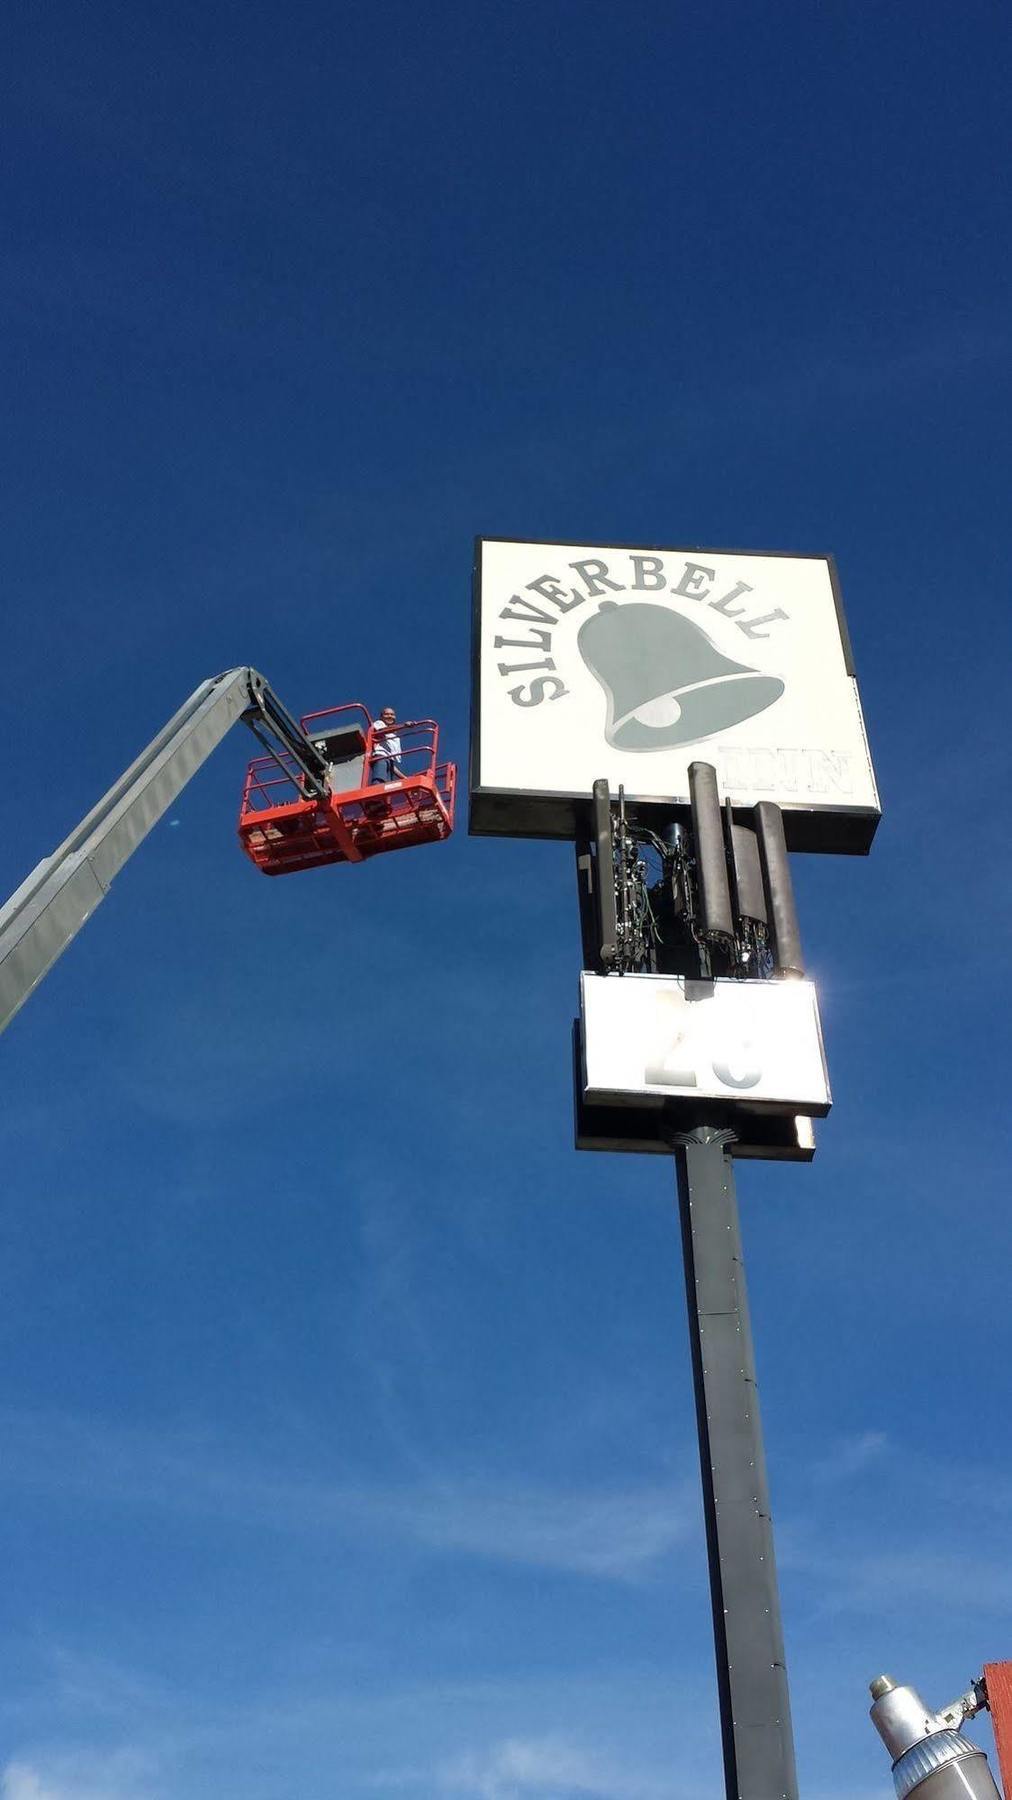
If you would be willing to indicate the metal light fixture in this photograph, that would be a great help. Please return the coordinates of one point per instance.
(931, 1758)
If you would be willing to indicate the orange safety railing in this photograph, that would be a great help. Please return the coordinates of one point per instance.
(398, 799)
(273, 781)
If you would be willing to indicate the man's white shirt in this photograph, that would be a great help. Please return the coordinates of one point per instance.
(386, 743)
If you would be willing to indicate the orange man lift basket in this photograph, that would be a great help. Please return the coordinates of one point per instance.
(387, 791)
(334, 788)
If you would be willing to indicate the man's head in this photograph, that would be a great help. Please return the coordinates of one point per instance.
(388, 716)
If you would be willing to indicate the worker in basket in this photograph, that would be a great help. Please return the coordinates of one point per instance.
(365, 784)
(385, 764)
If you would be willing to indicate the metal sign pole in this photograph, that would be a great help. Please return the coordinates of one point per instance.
(693, 1001)
(755, 1713)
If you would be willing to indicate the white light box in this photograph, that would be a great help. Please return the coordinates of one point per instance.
(596, 661)
(755, 1045)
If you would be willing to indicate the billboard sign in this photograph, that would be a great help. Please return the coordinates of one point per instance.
(599, 661)
(754, 1046)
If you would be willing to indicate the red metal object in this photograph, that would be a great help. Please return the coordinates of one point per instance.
(282, 830)
(998, 1681)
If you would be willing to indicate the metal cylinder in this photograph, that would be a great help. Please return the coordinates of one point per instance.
(782, 913)
(715, 916)
(748, 874)
(930, 1761)
(672, 835)
(604, 891)
(899, 1715)
(944, 1767)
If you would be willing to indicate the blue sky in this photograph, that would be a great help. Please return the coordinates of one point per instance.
(347, 1423)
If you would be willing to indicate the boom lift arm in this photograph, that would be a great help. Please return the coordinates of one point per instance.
(49, 908)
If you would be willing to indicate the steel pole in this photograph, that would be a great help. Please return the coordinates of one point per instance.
(755, 1713)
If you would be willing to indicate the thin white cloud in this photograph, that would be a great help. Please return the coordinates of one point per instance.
(611, 1728)
(904, 1570)
(120, 1776)
(546, 1768)
(850, 1456)
(22, 1783)
(616, 1535)
(609, 1534)
(973, 1582)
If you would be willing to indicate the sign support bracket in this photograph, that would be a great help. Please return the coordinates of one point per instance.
(755, 1713)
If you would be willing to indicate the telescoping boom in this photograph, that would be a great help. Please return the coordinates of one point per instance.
(49, 908)
(301, 816)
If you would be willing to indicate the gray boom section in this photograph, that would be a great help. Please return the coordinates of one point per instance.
(49, 908)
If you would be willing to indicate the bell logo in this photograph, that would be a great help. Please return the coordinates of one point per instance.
(664, 680)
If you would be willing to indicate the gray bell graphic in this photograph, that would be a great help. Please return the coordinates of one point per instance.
(664, 680)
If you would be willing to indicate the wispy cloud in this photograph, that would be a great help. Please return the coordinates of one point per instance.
(544, 1769)
(84, 1776)
(905, 1564)
(609, 1533)
(545, 1735)
(946, 1581)
(615, 1535)
(547, 1767)
(850, 1456)
(22, 1783)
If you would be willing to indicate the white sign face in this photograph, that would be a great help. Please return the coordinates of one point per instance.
(594, 661)
(755, 1043)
